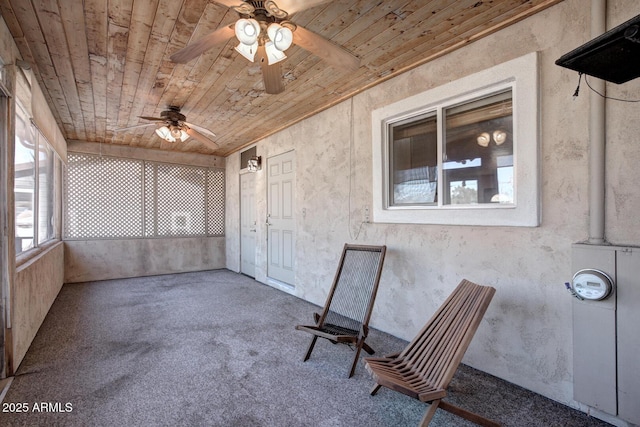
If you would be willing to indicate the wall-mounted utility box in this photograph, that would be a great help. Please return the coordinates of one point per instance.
(606, 342)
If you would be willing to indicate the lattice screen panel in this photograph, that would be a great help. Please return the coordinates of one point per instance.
(180, 200)
(215, 202)
(149, 200)
(104, 197)
(120, 198)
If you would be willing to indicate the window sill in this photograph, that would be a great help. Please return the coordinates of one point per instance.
(495, 216)
(30, 254)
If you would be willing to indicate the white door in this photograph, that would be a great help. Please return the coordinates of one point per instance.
(248, 224)
(280, 217)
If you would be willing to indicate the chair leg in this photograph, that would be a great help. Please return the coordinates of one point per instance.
(468, 415)
(375, 389)
(428, 415)
(357, 355)
(368, 349)
(310, 348)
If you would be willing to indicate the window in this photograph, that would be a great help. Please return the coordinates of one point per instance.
(478, 149)
(413, 161)
(109, 197)
(46, 173)
(34, 190)
(24, 182)
(463, 153)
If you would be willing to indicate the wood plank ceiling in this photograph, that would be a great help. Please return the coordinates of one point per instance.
(104, 63)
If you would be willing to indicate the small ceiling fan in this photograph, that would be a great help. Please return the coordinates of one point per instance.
(264, 33)
(175, 128)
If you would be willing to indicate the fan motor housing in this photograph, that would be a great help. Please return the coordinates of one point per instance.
(173, 114)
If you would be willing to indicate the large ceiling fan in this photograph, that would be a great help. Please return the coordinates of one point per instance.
(172, 127)
(264, 33)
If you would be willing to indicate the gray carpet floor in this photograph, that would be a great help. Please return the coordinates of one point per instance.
(219, 349)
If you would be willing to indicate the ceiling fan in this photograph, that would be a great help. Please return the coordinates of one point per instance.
(264, 32)
(175, 128)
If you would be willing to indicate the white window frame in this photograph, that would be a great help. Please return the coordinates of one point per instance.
(39, 139)
(521, 75)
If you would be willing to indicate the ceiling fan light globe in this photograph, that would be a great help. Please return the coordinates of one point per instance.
(281, 37)
(165, 133)
(183, 135)
(248, 51)
(175, 132)
(273, 54)
(499, 136)
(247, 31)
(484, 139)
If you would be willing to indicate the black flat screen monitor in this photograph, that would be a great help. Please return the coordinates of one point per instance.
(614, 56)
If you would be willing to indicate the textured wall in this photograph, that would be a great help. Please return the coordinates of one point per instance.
(623, 155)
(232, 213)
(38, 276)
(36, 286)
(113, 259)
(526, 335)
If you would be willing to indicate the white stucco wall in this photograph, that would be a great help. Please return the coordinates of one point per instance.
(36, 276)
(526, 335)
(36, 285)
(90, 260)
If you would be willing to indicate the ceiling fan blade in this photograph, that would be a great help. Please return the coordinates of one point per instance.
(134, 127)
(271, 74)
(156, 119)
(201, 129)
(197, 48)
(201, 138)
(336, 56)
(229, 3)
(293, 6)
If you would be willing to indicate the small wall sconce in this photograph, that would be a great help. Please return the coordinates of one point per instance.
(254, 164)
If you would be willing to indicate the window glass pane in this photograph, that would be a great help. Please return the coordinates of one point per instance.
(414, 159)
(24, 183)
(463, 192)
(45, 191)
(478, 151)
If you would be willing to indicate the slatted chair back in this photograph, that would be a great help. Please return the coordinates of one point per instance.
(346, 313)
(438, 348)
(353, 292)
(424, 369)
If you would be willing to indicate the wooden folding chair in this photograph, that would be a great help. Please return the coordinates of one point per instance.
(346, 313)
(425, 367)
